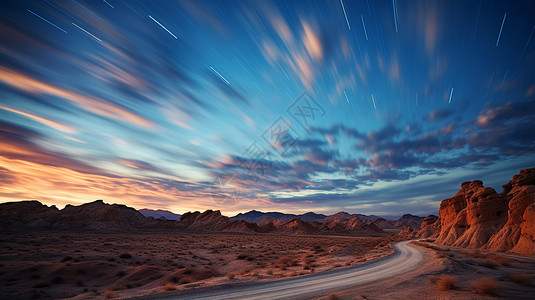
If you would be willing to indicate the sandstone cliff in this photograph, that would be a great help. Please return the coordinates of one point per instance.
(478, 217)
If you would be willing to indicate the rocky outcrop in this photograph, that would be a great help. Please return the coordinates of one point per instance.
(429, 227)
(478, 217)
(526, 244)
(209, 220)
(297, 226)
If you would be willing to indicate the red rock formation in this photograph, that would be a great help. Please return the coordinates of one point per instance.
(478, 217)
(429, 227)
(526, 241)
(521, 192)
(297, 226)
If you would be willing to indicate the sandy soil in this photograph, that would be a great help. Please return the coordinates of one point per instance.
(43, 265)
(513, 277)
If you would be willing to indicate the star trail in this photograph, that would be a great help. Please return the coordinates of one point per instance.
(150, 103)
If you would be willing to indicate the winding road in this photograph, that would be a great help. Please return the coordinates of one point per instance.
(405, 258)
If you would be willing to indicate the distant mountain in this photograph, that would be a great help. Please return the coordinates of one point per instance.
(159, 214)
(255, 216)
(340, 216)
(411, 221)
(95, 215)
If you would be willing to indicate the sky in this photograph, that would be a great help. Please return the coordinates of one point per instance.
(376, 107)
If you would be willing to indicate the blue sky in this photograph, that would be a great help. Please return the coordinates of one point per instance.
(380, 107)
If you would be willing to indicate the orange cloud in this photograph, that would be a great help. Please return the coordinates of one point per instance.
(97, 106)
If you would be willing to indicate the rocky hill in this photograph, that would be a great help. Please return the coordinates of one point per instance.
(479, 217)
(96, 215)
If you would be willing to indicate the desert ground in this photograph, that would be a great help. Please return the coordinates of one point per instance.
(81, 265)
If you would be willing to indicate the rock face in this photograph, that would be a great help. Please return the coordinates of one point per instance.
(478, 217)
(429, 227)
(525, 244)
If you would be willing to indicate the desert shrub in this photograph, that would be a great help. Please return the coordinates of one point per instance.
(446, 282)
(230, 275)
(485, 286)
(243, 256)
(521, 278)
(169, 286)
(333, 296)
(125, 255)
(284, 261)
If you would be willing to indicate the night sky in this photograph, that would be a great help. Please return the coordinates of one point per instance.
(368, 106)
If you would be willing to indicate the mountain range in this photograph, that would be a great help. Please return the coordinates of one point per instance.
(100, 216)
(475, 217)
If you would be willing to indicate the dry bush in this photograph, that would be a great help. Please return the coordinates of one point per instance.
(333, 296)
(521, 278)
(230, 275)
(108, 294)
(485, 286)
(446, 282)
(169, 286)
